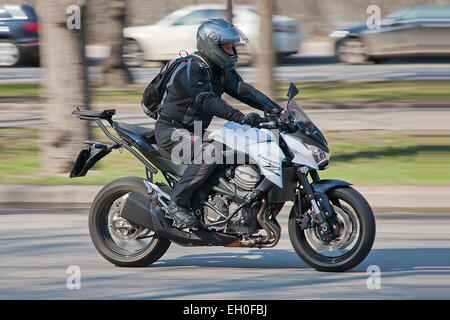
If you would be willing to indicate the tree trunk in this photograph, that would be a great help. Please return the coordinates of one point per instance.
(65, 82)
(114, 72)
(266, 56)
(229, 11)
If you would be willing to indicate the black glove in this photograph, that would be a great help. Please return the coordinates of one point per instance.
(253, 119)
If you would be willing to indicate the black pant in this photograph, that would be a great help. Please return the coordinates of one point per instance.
(177, 140)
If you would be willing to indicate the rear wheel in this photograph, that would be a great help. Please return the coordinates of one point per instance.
(114, 237)
(355, 233)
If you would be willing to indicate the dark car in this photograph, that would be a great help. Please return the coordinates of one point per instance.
(410, 31)
(19, 39)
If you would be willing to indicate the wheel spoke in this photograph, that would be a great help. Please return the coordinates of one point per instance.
(123, 237)
(344, 242)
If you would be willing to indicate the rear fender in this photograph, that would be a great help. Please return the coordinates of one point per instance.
(88, 157)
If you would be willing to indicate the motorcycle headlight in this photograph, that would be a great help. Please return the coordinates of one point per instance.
(319, 155)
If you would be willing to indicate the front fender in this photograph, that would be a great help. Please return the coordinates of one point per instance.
(320, 191)
(324, 185)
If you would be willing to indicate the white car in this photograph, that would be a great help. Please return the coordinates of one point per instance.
(177, 31)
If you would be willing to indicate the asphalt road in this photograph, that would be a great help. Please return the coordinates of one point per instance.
(294, 69)
(38, 246)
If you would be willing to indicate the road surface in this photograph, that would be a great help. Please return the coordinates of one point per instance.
(295, 71)
(39, 245)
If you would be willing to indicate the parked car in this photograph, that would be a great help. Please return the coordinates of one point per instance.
(164, 40)
(19, 40)
(410, 31)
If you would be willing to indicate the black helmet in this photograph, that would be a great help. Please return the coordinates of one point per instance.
(214, 32)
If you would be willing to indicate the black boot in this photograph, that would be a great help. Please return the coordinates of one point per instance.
(181, 215)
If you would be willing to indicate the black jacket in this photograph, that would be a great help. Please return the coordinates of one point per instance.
(194, 93)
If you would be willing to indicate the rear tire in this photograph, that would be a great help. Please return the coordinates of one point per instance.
(357, 224)
(104, 236)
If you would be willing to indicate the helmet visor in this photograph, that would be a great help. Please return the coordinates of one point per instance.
(228, 35)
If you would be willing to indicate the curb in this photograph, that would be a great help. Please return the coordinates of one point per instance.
(385, 199)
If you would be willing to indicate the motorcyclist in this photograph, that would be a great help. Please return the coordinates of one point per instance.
(194, 94)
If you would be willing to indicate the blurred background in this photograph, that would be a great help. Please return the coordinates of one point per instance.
(373, 75)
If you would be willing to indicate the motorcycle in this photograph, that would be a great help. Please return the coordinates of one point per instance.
(331, 226)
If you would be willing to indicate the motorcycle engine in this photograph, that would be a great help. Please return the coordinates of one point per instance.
(246, 177)
(243, 223)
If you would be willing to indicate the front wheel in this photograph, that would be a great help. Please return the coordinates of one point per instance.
(352, 51)
(355, 233)
(114, 237)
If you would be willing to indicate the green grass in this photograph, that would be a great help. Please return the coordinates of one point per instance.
(360, 157)
(21, 163)
(20, 92)
(339, 90)
(376, 90)
(389, 157)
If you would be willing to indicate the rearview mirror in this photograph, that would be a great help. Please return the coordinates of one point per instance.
(292, 91)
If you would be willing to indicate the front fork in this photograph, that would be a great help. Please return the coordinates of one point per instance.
(322, 211)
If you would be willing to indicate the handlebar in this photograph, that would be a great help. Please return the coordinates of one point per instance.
(268, 125)
(282, 120)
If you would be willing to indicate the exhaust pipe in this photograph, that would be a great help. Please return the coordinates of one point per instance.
(136, 210)
(140, 210)
(146, 211)
(271, 227)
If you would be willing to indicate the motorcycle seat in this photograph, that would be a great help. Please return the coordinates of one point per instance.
(157, 155)
(139, 130)
(162, 152)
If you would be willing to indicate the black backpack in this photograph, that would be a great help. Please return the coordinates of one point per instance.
(154, 93)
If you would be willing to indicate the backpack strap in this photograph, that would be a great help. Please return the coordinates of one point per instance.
(175, 71)
(172, 77)
(204, 61)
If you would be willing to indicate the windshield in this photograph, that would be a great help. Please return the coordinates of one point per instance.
(232, 34)
(304, 123)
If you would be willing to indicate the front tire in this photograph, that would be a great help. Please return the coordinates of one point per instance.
(114, 237)
(352, 51)
(356, 225)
